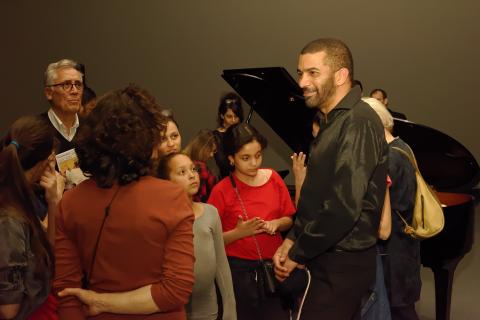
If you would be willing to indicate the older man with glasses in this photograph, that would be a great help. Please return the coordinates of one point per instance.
(63, 89)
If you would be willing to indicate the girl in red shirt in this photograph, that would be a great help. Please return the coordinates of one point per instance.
(268, 210)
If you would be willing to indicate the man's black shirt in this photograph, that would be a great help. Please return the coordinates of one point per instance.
(342, 197)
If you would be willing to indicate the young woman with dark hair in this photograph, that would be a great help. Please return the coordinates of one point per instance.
(26, 257)
(230, 112)
(171, 140)
(123, 235)
(211, 265)
(254, 206)
(200, 149)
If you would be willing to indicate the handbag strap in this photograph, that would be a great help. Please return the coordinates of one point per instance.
(245, 215)
(409, 155)
(413, 161)
(106, 210)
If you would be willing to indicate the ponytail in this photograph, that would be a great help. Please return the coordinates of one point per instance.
(29, 140)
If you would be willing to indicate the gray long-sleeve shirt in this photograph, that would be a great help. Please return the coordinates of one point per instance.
(210, 265)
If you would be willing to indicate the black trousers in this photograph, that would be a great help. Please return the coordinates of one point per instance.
(251, 303)
(404, 312)
(339, 282)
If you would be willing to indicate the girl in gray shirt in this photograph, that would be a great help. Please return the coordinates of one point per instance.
(210, 259)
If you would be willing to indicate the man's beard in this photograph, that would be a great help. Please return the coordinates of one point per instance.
(319, 100)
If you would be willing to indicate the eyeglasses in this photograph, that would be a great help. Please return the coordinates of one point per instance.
(68, 85)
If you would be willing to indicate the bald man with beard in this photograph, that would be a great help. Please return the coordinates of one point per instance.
(341, 200)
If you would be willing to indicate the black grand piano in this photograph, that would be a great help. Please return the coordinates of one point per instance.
(445, 164)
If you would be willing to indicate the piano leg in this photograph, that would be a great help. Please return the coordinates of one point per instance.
(443, 276)
(443, 252)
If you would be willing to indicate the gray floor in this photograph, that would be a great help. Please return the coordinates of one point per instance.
(466, 285)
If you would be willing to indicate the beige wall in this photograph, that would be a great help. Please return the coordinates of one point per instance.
(424, 53)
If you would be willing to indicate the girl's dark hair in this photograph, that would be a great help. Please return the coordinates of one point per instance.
(229, 101)
(239, 135)
(29, 140)
(115, 143)
(163, 170)
(201, 145)
(168, 116)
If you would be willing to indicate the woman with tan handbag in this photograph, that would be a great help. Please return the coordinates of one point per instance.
(402, 252)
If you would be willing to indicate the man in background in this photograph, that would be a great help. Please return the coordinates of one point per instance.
(63, 90)
(381, 95)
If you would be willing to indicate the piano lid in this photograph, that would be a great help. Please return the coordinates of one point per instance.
(278, 99)
(444, 162)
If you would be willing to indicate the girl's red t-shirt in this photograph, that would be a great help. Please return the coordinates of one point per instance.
(269, 201)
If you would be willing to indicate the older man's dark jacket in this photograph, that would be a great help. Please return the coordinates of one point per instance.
(342, 197)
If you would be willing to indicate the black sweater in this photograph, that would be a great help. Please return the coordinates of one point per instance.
(64, 144)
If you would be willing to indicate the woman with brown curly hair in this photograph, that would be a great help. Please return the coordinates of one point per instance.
(123, 235)
(26, 257)
(171, 140)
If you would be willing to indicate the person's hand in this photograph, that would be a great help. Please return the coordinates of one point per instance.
(249, 227)
(298, 167)
(280, 258)
(48, 181)
(90, 299)
(74, 177)
(60, 183)
(270, 227)
(288, 266)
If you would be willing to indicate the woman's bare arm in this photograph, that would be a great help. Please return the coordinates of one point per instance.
(138, 301)
(386, 219)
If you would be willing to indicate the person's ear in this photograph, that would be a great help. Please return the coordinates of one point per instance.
(386, 102)
(48, 93)
(155, 154)
(341, 76)
(231, 160)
